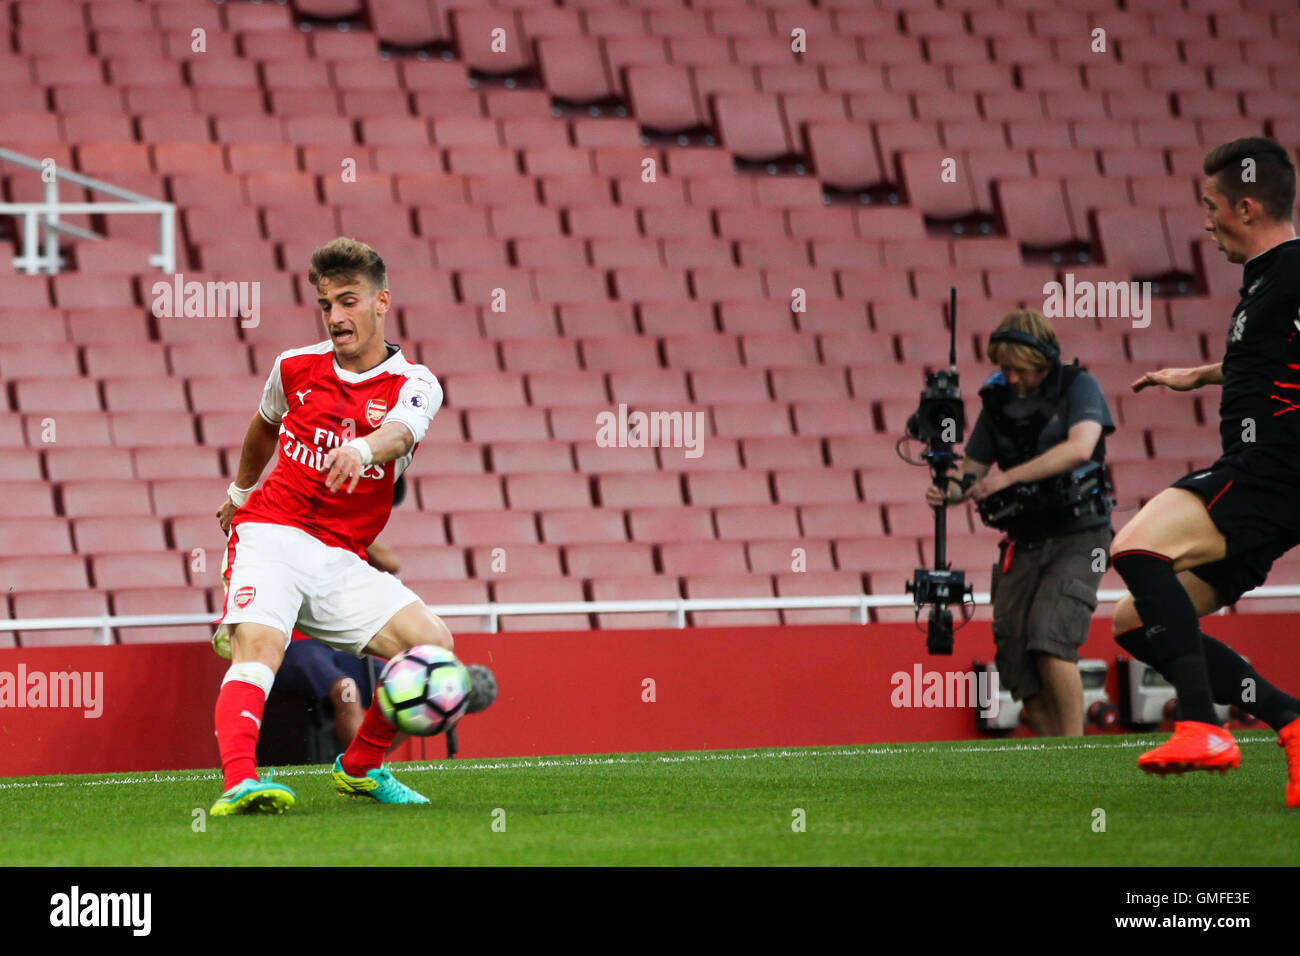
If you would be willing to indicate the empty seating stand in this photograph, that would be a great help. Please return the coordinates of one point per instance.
(584, 206)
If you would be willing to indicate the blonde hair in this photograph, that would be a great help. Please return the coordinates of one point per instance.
(1023, 356)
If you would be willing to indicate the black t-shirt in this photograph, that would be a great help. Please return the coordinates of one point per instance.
(1261, 366)
(1084, 402)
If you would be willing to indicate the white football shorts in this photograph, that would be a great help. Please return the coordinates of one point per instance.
(284, 578)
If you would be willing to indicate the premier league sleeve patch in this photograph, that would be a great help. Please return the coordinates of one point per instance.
(419, 398)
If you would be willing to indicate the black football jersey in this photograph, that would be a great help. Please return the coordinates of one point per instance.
(1260, 405)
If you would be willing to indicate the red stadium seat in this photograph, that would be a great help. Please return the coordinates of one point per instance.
(611, 459)
(814, 485)
(35, 536)
(476, 34)
(755, 316)
(505, 424)
(829, 521)
(819, 584)
(19, 464)
(44, 602)
(105, 498)
(643, 588)
(781, 348)
(582, 525)
(144, 395)
(492, 528)
(425, 563)
(540, 590)
(729, 385)
(181, 462)
(1035, 213)
(614, 353)
(632, 490)
(663, 98)
(532, 456)
(573, 69)
(756, 521)
(50, 395)
(749, 487)
(666, 525)
(731, 586)
(442, 493)
(186, 496)
(139, 569)
(1134, 241)
(703, 557)
(753, 420)
(410, 25)
(551, 388)
(538, 492)
(525, 560)
(136, 533)
(752, 126)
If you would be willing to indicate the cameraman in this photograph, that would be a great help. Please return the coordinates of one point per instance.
(1039, 419)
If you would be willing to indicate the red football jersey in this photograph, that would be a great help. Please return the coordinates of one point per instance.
(319, 406)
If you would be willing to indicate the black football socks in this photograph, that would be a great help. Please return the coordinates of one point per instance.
(1171, 630)
(1233, 680)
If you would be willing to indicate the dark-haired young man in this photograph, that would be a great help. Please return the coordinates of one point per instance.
(347, 414)
(1213, 535)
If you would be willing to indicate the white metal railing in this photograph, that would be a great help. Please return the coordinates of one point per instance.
(674, 608)
(42, 222)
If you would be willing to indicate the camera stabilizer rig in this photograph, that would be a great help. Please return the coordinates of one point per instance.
(940, 422)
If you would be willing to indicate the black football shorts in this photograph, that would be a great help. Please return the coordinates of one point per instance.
(1255, 504)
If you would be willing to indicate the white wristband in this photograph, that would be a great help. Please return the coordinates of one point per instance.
(363, 446)
(238, 495)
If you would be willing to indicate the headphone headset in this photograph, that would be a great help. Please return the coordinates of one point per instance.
(1014, 336)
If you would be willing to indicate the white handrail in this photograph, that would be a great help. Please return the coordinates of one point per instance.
(47, 215)
(492, 611)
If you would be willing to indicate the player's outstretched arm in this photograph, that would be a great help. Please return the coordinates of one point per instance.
(1182, 379)
(343, 465)
(259, 446)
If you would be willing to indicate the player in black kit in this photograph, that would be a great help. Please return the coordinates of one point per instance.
(1213, 535)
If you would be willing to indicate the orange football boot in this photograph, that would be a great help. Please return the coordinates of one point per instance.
(1196, 746)
(1288, 738)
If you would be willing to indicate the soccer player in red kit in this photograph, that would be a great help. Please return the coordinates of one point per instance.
(347, 415)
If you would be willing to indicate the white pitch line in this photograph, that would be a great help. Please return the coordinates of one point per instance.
(532, 762)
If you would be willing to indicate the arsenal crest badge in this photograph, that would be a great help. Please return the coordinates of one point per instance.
(376, 409)
(244, 596)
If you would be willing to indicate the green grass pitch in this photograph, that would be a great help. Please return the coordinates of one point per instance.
(963, 803)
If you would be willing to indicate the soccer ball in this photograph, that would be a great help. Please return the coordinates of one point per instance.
(423, 690)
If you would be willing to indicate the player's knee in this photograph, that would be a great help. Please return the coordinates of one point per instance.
(256, 642)
(1123, 541)
(443, 636)
(437, 632)
(1125, 617)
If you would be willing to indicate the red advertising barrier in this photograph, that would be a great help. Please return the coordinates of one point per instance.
(561, 693)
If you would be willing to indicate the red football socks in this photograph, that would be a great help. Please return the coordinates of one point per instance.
(239, 722)
(366, 752)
